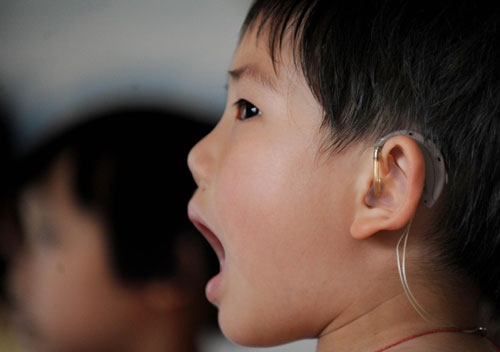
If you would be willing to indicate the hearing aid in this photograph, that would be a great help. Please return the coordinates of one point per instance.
(435, 170)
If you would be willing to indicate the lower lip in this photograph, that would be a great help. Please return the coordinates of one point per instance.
(213, 286)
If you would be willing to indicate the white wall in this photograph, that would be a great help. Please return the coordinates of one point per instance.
(60, 55)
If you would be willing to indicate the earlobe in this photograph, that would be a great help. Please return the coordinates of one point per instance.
(402, 177)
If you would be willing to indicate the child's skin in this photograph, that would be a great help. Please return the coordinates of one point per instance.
(67, 295)
(306, 250)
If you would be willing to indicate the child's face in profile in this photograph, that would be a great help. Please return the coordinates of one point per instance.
(67, 297)
(280, 208)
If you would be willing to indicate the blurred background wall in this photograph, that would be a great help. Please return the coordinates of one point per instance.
(59, 58)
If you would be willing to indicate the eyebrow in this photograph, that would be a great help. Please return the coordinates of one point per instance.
(255, 74)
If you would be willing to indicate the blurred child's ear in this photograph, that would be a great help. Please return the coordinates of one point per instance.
(402, 174)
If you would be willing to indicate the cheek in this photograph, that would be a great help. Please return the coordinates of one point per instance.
(271, 199)
(74, 300)
(256, 187)
(273, 209)
(285, 222)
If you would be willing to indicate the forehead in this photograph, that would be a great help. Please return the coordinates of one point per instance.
(253, 60)
(53, 185)
(277, 86)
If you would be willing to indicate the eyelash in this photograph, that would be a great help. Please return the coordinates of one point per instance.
(243, 106)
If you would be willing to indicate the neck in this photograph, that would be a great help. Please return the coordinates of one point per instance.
(392, 318)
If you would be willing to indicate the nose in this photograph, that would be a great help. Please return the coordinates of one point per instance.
(201, 159)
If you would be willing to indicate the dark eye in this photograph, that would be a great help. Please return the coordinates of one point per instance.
(246, 110)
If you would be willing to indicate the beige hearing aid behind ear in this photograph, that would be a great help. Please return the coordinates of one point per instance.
(435, 170)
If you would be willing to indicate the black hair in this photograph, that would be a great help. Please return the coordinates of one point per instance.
(8, 218)
(380, 66)
(129, 166)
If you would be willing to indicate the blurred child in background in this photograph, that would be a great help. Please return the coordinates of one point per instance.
(109, 262)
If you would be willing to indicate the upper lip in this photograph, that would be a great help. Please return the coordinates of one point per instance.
(202, 226)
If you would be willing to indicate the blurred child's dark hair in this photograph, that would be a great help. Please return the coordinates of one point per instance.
(8, 215)
(128, 165)
(434, 67)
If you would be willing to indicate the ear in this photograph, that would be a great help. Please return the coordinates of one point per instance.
(402, 170)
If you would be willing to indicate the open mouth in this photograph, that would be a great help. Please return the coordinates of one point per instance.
(212, 239)
(214, 285)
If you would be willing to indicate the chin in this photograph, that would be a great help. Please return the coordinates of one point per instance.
(256, 332)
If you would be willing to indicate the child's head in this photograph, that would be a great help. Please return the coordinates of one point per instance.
(109, 254)
(285, 179)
